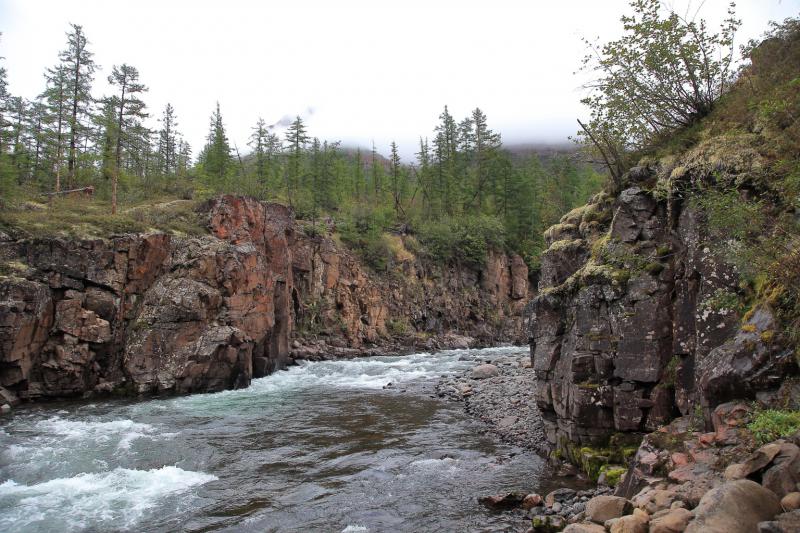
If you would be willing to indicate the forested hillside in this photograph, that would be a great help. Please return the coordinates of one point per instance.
(461, 195)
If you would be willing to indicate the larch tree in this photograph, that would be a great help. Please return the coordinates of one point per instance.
(129, 111)
(56, 95)
(394, 171)
(3, 101)
(77, 61)
(168, 141)
(297, 138)
(259, 139)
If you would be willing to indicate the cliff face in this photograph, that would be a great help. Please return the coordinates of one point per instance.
(634, 324)
(158, 313)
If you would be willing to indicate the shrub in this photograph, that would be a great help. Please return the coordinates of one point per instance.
(663, 74)
(466, 239)
(772, 424)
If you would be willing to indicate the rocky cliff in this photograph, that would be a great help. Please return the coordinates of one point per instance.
(631, 326)
(152, 313)
(641, 315)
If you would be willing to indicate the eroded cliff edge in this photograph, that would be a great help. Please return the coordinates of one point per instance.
(153, 313)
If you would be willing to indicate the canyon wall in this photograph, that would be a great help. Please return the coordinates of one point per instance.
(159, 313)
(638, 318)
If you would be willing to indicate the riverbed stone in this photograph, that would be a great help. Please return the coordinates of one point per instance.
(584, 527)
(734, 507)
(602, 508)
(485, 371)
(671, 521)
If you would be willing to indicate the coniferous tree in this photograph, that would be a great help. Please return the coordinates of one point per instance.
(56, 94)
(484, 145)
(168, 142)
(77, 62)
(3, 102)
(358, 175)
(394, 171)
(258, 142)
(216, 158)
(130, 111)
(297, 138)
(445, 153)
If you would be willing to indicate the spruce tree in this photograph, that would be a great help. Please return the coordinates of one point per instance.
(216, 159)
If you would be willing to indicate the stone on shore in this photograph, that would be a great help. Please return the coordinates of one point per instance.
(734, 507)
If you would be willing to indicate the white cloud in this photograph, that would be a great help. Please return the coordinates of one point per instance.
(370, 70)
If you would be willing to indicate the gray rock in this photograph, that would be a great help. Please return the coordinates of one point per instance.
(734, 507)
(484, 371)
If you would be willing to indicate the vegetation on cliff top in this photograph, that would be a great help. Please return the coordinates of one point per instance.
(725, 139)
(462, 195)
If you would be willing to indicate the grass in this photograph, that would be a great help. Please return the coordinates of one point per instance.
(772, 424)
(91, 218)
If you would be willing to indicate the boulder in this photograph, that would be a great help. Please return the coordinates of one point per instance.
(632, 523)
(734, 507)
(783, 523)
(558, 495)
(584, 527)
(671, 521)
(532, 500)
(547, 524)
(602, 508)
(791, 501)
(504, 501)
(8, 397)
(484, 371)
(784, 474)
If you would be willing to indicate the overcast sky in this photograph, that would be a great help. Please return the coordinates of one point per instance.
(356, 71)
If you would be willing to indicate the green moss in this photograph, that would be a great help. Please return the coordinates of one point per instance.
(557, 230)
(613, 474)
(671, 371)
(772, 424)
(565, 244)
(654, 268)
(721, 300)
(574, 217)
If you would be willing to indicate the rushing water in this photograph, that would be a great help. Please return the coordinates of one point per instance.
(320, 447)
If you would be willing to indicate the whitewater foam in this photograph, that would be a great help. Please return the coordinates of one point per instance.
(117, 498)
(364, 373)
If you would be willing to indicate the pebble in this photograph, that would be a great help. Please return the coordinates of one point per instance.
(506, 404)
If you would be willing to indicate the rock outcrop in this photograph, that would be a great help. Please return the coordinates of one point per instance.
(636, 321)
(160, 313)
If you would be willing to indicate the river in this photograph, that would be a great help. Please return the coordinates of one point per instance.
(322, 446)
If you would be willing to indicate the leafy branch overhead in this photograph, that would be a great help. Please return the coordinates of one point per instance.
(665, 73)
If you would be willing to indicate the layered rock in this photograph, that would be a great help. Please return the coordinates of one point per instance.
(636, 320)
(152, 313)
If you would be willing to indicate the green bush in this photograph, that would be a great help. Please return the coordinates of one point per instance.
(467, 239)
(363, 233)
(772, 424)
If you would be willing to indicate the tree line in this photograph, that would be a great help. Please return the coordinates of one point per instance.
(461, 181)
